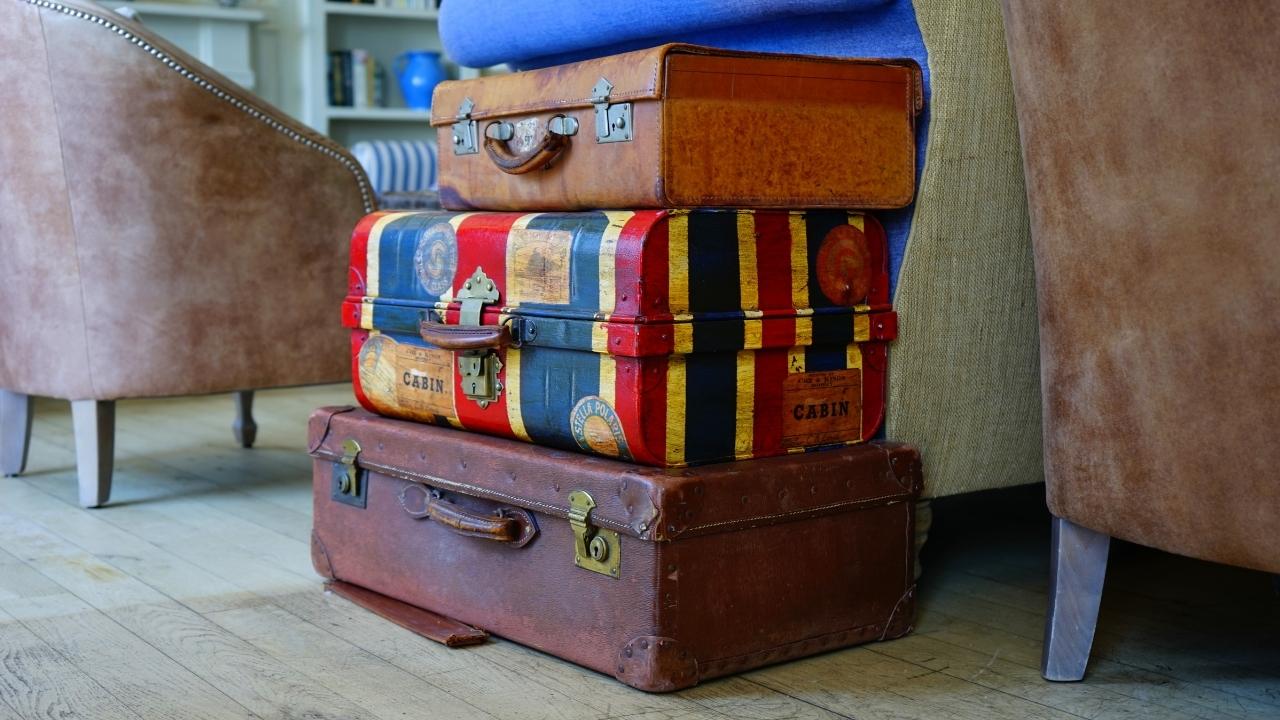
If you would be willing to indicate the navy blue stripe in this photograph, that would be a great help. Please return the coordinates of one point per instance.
(720, 335)
(397, 274)
(825, 357)
(713, 262)
(832, 329)
(552, 381)
(711, 399)
(585, 230)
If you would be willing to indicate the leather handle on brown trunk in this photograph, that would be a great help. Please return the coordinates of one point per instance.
(508, 525)
(466, 337)
(548, 148)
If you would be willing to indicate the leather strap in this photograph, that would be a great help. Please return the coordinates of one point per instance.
(508, 525)
(465, 337)
(548, 148)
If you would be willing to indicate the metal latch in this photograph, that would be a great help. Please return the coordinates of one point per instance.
(478, 368)
(347, 485)
(465, 141)
(613, 122)
(594, 548)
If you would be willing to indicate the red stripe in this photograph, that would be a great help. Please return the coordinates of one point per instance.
(654, 272)
(773, 259)
(647, 398)
(639, 237)
(878, 247)
(873, 366)
(356, 277)
(626, 401)
(482, 242)
(771, 374)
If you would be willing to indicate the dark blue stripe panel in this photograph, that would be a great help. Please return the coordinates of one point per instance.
(713, 262)
(552, 381)
(711, 399)
(825, 357)
(397, 251)
(585, 229)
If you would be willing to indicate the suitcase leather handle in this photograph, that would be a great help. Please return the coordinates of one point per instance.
(509, 525)
(548, 148)
(465, 337)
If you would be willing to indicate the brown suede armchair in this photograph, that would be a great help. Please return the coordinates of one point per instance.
(165, 232)
(1151, 142)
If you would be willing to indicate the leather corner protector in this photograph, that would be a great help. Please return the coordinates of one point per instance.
(656, 664)
(642, 512)
(320, 558)
(902, 619)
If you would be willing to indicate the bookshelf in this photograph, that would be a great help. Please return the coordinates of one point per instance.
(384, 32)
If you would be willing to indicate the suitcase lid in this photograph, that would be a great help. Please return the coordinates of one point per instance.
(651, 282)
(632, 76)
(643, 502)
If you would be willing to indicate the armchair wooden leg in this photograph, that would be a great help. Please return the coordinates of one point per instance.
(95, 428)
(1077, 567)
(15, 432)
(244, 428)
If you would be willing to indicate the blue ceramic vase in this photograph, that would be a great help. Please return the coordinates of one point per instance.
(418, 72)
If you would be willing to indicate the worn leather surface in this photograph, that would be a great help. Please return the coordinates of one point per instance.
(158, 239)
(1150, 133)
(711, 128)
(733, 569)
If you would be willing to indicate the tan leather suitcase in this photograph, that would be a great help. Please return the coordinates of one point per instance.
(658, 577)
(682, 126)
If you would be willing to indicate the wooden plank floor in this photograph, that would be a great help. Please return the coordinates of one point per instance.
(192, 596)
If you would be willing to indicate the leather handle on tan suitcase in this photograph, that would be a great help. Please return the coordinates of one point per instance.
(509, 525)
(547, 149)
(465, 337)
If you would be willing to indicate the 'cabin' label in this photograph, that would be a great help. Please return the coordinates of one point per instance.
(822, 407)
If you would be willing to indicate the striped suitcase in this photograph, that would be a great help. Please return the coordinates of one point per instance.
(665, 337)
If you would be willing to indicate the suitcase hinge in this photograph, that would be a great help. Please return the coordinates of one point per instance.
(347, 486)
(613, 122)
(464, 130)
(594, 549)
(478, 368)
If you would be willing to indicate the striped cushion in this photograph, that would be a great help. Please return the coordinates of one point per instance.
(398, 165)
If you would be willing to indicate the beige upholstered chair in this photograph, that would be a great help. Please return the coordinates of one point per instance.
(1152, 152)
(164, 232)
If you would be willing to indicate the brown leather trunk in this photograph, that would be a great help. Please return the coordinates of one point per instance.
(682, 126)
(719, 569)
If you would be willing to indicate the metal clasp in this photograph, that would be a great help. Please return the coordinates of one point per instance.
(594, 548)
(613, 122)
(465, 141)
(478, 368)
(347, 486)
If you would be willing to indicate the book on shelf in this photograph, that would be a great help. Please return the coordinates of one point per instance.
(356, 80)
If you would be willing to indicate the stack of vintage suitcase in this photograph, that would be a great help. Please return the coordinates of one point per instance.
(704, 351)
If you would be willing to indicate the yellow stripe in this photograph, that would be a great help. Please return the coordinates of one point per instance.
(512, 393)
(608, 249)
(853, 356)
(371, 264)
(795, 360)
(366, 313)
(683, 338)
(856, 220)
(675, 410)
(608, 380)
(804, 330)
(752, 334)
(744, 419)
(861, 328)
(600, 337)
(799, 261)
(748, 282)
(509, 257)
(678, 262)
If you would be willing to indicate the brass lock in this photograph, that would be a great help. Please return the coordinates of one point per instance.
(478, 368)
(594, 548)
(347, 488)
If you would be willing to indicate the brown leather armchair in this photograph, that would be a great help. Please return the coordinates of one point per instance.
(1152, 152)
(165, 233)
